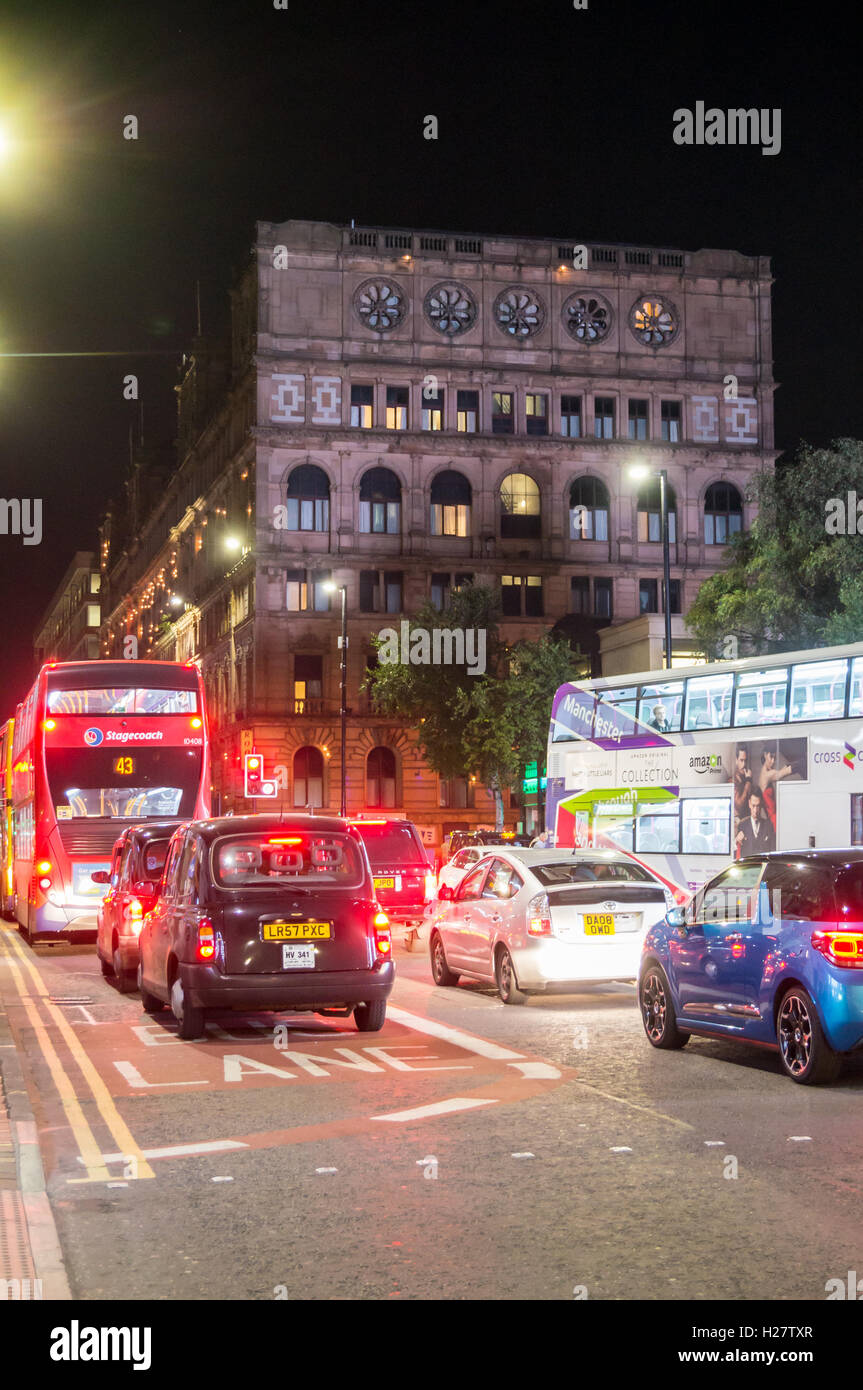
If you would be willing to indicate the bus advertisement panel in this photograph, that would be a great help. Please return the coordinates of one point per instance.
(99, 746)
(690, 768)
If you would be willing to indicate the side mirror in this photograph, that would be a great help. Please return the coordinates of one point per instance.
(145, 889)
(444, 893)
(101, 876)
(676, 917)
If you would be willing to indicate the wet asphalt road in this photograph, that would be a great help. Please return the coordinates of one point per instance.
(554, 1151)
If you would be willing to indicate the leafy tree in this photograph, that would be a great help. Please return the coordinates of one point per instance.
(487, 725)
(795, 579)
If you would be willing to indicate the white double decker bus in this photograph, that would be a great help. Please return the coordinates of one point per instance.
(688, 768)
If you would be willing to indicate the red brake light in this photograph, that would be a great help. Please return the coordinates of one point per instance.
(840, 947)
(44, 866)
(49, 724)
(206, 948)
(431, 887)
(367, 822)
(133, 915)
(287, 840)
(539, 916)
(196, 723)
(383, 935)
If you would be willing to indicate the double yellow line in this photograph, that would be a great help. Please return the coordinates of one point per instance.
(10, 948)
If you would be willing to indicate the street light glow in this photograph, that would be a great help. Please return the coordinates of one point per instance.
(232, 543)
(638, 471)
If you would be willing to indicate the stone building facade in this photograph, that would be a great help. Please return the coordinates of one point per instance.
(69, 630)
(401, 412)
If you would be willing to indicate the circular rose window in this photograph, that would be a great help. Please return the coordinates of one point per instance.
(450, 309)
(587, 318)
(654, 321)
(519, 312)
(380, 305)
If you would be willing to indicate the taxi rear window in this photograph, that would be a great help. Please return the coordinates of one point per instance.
(285, 858)
(153, 856)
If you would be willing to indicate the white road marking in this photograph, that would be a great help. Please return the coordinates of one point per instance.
(118, 1184)
(526, 1155)
(221, 1180)
(621, 1149)
(536, 1071)
(211, 1146)
(131, 1074)
(326, 1170)
(800, 1138)
(714, 1143)
(440, 1107)
(480, 1046)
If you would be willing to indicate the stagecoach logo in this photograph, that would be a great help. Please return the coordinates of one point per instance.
(93, 737)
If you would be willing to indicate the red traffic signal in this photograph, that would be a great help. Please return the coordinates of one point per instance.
(256, 783)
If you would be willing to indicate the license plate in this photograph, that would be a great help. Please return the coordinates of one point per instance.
(599, 924)
(385, 883)
(298, 957)
(295, 931)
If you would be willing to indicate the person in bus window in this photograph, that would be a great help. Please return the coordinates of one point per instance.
(660, 719)
(755, 834)
(742, 783)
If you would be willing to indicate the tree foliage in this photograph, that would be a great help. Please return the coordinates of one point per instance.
(486, 725)
(790, 584)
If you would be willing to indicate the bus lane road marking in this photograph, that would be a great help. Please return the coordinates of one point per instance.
(114, 1122)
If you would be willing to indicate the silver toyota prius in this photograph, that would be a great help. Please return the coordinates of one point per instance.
(539, 921)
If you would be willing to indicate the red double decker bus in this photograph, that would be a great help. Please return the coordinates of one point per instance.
(98, 745)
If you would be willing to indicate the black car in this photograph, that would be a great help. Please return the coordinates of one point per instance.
(137, 863)
(262, 913)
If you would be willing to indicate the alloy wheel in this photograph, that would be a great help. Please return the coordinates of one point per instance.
(795, 1034)
(654, 1006)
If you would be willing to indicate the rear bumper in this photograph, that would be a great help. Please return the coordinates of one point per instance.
(412, 916)
(550, 962)
(207, 988)
(51, 921)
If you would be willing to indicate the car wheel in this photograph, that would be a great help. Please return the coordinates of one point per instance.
(107, 968)
(190, 1019)
(441, 973)
(507, 985)
(124, 981)
(370, 1018)
(657, 1010)
(806, 1054)
(150, 1003)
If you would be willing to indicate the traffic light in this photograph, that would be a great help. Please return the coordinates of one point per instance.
(256, 783)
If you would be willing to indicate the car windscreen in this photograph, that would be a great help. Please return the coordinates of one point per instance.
(589, 871)
(285, 859)
(104, 782)
(391, 844)
(151, 859)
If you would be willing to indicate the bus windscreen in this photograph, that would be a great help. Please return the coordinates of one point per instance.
(122, 700)
(106, 782)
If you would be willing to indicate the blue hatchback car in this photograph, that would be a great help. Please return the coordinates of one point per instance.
(770, 952)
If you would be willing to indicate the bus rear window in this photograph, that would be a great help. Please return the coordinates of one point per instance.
(285, 859)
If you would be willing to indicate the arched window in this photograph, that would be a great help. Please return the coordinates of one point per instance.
(723, 513)
(308, 777)
(519, 508)
(588, 510)
(650, 512)
(450, 504)
(380, 502)
(308, 499)
(381, 778)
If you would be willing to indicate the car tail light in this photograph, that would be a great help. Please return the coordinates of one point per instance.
(383, 935)
(44, 866)
(840, 947)
(539, 916)
(133, 915)
(431, 887)
(206, 947)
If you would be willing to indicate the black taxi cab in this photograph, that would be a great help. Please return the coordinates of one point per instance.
(267, 913)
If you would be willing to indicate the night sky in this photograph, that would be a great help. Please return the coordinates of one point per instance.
(553, 122)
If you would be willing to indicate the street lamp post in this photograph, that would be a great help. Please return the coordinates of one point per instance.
(331, 588)
(639, 471)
